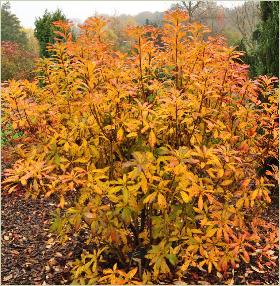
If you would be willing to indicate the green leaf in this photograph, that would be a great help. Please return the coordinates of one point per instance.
(126, 215)
(57, 159)
(172, 258)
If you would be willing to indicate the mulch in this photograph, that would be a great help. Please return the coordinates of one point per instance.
(31, 255)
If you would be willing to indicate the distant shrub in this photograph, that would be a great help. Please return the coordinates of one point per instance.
(16, 62)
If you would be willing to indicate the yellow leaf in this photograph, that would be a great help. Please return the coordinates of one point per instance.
(220, 173)
(197, 210)
(211, 173)
(185, 266)
(246, 203)
(204, 221)
(81, 160)
(202, 165)
(21, 123)
(254, 194)
(211, 232)
(197, 231)
(152, 139)
(149, 198)
(23, 182)
(239, 203)
(161, 201)
(120, 134)
(226, 182)
(62, 202)
(132, 272)
(200, 202)
(125, 195)
(144, 129)
(132, 134)
(144, 183)
(185, 197)
(66, 146)
(98, 190)
(35, 185)
(192, 247)
(216, 134)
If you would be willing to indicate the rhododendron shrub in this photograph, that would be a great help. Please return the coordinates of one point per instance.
(159, 147)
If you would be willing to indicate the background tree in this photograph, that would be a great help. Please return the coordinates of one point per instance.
(117, 31)
(207, 13)
(11, 29)
(156, 17)
(267, 39)
(32, 42)
(195, 8)
(245, 18)
(44, 29)
(18, 47)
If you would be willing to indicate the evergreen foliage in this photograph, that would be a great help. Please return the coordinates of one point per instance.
(11, 31)
(44, 30)
(267, 40)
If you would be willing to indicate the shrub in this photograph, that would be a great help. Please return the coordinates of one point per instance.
(16, 63)
(160, 148)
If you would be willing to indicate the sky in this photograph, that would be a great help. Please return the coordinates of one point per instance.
(28, 11)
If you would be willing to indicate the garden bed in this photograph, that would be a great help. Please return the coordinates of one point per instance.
(31, 256)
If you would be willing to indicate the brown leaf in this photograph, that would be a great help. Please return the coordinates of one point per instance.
(7, 278)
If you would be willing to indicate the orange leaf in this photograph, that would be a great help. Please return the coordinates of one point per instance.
(200, 202)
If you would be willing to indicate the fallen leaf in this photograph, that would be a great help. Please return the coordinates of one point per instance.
(47, 268)
(256, 269)
(56, 269)
(52, 262)
(58, 254)
(14, 252)
(7, 278)
(202, 282)
(230, 281)
(257, 282)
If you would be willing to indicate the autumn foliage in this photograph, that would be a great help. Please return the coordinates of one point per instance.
(16, 62)
(159, 147)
